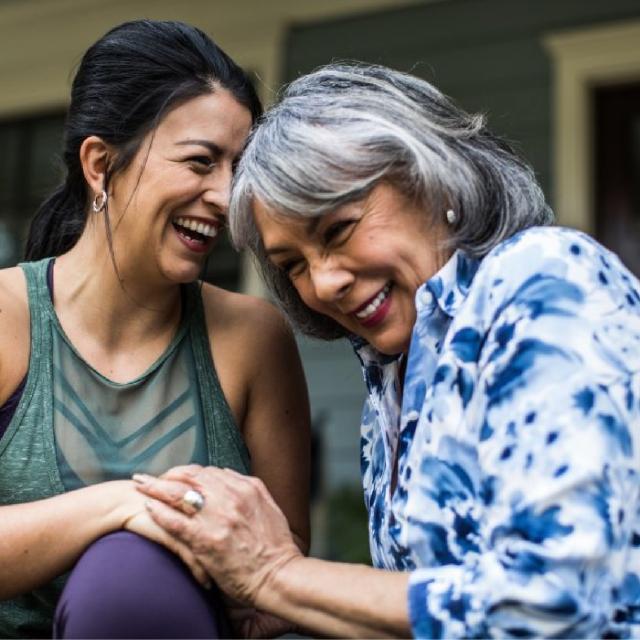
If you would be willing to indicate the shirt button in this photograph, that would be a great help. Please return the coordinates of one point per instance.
(426, 297)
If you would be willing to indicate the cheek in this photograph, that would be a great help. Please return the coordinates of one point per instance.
(305, 291)
(307, 294)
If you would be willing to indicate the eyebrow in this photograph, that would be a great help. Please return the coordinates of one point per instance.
(310, 229)
(211, 146)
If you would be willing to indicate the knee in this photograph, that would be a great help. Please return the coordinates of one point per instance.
(127, 586)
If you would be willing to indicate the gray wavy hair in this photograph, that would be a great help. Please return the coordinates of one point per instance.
(339, 131)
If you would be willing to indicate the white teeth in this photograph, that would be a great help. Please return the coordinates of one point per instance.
(373, 306)
(199, 227)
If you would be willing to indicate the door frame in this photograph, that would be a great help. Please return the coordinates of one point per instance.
(583, 59)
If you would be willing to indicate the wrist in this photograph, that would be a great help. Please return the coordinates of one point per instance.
(119, 506)
(278, 593)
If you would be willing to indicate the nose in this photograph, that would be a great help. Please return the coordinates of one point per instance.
(331, 281)
(217, 189)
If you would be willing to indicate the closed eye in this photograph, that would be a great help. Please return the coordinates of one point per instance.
(201, 163)
(291, 268)
(337, 232)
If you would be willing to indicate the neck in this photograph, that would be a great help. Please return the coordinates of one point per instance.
(116, 308)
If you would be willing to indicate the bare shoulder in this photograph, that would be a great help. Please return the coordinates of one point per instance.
(247, 336)
(14, 304)
(243, 317)
(14, 329)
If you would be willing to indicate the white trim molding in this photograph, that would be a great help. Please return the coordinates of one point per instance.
(584, 59)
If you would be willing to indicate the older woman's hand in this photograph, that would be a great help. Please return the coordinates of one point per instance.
(138, 520)
(240, 535)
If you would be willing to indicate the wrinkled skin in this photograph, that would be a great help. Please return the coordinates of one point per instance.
(240, 537)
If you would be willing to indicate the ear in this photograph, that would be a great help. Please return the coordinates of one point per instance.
(94, 158)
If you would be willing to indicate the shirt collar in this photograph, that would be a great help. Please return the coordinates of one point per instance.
(447, 289)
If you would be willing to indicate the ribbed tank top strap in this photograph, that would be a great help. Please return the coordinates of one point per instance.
(27, 449)
(225, 444)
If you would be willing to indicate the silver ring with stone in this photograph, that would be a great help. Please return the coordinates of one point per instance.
(193, 500)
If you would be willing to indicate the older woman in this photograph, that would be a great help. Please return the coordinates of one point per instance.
(501, 435)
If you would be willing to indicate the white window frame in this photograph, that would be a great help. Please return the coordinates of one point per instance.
(582, 60)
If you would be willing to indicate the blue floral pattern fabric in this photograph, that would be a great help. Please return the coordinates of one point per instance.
(505, 476)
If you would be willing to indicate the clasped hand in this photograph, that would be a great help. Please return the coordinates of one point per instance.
(240, 536)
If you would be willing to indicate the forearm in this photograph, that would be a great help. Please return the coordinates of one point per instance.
(39, 540)
(337, 599)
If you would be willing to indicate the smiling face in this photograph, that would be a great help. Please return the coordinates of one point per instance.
(361, 264)
(170, 203)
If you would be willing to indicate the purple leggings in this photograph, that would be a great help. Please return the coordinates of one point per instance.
(125, 586)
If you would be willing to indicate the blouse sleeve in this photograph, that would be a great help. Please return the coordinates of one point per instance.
(550, 483)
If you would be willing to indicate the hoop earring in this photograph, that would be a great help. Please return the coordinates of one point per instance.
(452, 216)
(100, 202)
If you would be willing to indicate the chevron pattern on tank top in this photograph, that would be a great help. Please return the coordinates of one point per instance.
(106, 431)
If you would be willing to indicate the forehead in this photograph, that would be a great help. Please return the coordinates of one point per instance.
(216, 116)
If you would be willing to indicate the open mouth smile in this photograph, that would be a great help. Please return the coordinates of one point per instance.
(195, 234)
(374, 310)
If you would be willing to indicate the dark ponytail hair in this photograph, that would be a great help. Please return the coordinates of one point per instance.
(125, 84)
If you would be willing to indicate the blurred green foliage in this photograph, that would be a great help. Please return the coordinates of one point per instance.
(348, 538)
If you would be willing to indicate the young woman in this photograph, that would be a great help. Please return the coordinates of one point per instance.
(115, 359)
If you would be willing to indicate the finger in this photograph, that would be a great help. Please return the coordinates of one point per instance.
(187, 556)
(182, 472)
(170, 492)
(171, 520)
(155, 532)
(194, 565)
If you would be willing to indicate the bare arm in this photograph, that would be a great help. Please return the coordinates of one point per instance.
(257, 361)
(243, 540)
(338, 599)
(40, 540)
(277, 425)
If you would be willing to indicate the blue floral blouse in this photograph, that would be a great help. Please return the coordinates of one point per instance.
(516, 503)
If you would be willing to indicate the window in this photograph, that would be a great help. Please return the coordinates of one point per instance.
(30, 167)
(585, 59)
(617, 170)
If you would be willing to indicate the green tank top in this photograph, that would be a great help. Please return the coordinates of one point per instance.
(73, 427)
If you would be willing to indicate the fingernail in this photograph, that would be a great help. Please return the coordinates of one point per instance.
(140, 478)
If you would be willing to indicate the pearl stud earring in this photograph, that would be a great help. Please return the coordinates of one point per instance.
(452, 216)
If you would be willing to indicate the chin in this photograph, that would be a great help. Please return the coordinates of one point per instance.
(183, 273)
(391, 345)
(391, 348)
